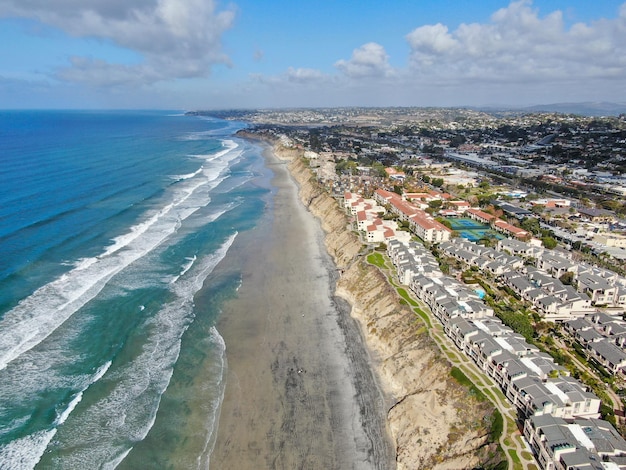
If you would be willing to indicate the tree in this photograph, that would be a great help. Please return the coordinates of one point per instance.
(443, 221)
(531, 224)
(487, 241)
(567, 278)
(314, 141)
(347, 166)
(457, 140)
(444, 267)
(549, 242)
(379, 169)
(538, 208)
(435, 204)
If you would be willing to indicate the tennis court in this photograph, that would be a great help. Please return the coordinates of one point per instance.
(473, 230)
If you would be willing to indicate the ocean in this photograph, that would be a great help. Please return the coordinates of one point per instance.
(111, 224)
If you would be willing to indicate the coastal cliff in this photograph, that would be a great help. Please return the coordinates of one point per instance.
(434, 421)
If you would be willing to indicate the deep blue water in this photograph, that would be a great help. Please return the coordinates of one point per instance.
(110, 223)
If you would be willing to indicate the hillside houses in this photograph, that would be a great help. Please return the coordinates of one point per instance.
(367, 214)
(480, 216)
(420, 223)
(603, 339)
(541, 285)
(480, 256)
(553, 405)
(603, 287)
(510, 230)
(549, 296)
(592, 444)
(515, 247)
(412, 259)
(529, 378)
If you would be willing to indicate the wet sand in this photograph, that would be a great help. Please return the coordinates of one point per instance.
(299, 387)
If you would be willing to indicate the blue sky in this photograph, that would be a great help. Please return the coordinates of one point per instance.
(192, 54)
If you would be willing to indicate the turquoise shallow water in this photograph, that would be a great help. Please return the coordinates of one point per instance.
(110, 224)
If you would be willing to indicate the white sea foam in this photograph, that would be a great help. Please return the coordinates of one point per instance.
(187, 176)
(67, 411)
(186, 267)
(203, 219)
(111, 465)
(79, 396)
(189, 265)
(40, 314)
(130, 409)
(228, 150)
(100, 372)
(204, 459)
(25, 452)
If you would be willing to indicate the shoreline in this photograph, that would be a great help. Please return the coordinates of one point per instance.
(434, 421)
(290, 345)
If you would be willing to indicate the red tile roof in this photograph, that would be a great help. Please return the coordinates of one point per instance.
(481, 214)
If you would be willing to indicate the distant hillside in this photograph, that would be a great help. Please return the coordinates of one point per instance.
(584, 109)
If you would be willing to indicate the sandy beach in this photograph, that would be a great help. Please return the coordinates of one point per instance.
(300, 391)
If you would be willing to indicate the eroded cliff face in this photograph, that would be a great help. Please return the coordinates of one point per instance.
(342, 244)
(434, 421)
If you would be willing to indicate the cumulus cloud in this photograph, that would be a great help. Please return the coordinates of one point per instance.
(176, 38)
(293, 77)
(519, 45)
(520, 55)
(304, 75)
(369, 60)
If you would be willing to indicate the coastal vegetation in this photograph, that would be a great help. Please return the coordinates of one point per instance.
(413, 371)
(489, 192)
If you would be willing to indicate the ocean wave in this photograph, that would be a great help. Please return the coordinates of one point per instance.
(40, 314)
(186, 267)
(187, 176)
(204, 459)
(229, 128)
(25, 452)
(63, 415)
(130, 407)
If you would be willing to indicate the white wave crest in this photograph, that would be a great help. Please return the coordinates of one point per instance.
(204, 459)
(25, 452)
(130, 409)
(187, 176)
(40, 314)
(79, 396)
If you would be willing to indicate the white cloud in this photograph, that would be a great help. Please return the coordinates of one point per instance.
(519, 45)
(519, 56)
(304, 75)
(103, 74)
(369, 60)
(176, 38)
(431, 39)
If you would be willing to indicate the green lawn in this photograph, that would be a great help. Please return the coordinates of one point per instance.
(377, 259)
